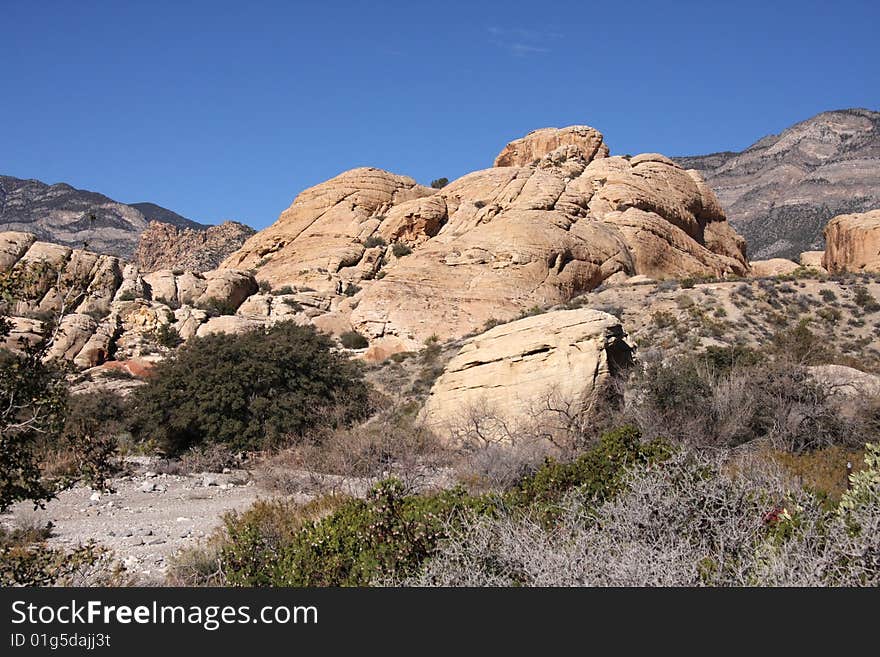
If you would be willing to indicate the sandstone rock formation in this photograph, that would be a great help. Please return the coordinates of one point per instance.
(108, 308)
(772, 267)
(781, 191)
(399, 262)
(853, 243)
(164, 246)
(557, 219)
(535, 145)
(506, 376)
(813, 260)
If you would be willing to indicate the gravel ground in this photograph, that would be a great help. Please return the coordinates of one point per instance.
(148, 518)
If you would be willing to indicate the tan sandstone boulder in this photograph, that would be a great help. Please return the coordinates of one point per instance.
(772, 267)
(813, 260)
(504, 378)
(852, 242)
(536, 144)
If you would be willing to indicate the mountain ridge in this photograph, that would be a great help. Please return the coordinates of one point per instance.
(64, 214)
(781, 191)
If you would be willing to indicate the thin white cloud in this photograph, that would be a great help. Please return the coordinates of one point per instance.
(522, 42)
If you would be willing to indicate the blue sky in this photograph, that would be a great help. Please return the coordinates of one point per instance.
(227, 110)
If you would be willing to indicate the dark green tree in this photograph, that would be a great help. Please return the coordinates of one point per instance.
(248, 390)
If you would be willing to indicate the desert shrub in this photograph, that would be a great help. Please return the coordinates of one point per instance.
(264, 287)
(393, 443)
(400, 250)
(201, 458)
(499, 467)
(217, 307)
(663, 319)
(293, 304)
(88, 442)
(284, 289)
(439, 183)
(596, 473)
(344, 541)
(34, 396)
(39, 565)
(684, 522)
(388, 534)
(479, 204)
(351, 289)
(128, 295)
(821, 471)
(353, 340)
(864, 299)
(728, 397)
(374, 241)
(828, 296)
(800, 345)
(247, 390)
(167, 336)
(723, 359)
(687, 283)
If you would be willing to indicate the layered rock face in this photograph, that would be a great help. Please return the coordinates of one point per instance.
(559, 220)
(163, 246)
(853, 243)
(514, 373)
(78, 218)
(781, 191)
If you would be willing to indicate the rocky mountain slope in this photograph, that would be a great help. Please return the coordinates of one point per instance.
(63, 214)
(780, 192)
(164, 246)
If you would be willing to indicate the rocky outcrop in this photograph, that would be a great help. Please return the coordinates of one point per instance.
(164, 246)
(508, 377)
(78, 218)
(322, 239)
(556, 218)
(813, 260)
(109, 309)
(586, 142)
(781, 191)
(853, 243)
(772, 267)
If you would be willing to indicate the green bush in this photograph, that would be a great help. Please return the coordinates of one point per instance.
(351, 289)
(217, 307)
(439, 183)
(353, 340)
(374, 241)
(389, 534)
(400, 249)
(248, 390)
(167, 336)
(597, 473)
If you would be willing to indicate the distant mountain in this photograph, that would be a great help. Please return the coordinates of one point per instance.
(153, 212)
(781, 191)
(79, 218)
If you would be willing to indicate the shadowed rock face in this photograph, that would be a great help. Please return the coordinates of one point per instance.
(558, 218)
(62, 214)
(780, 192)
(163, 246)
